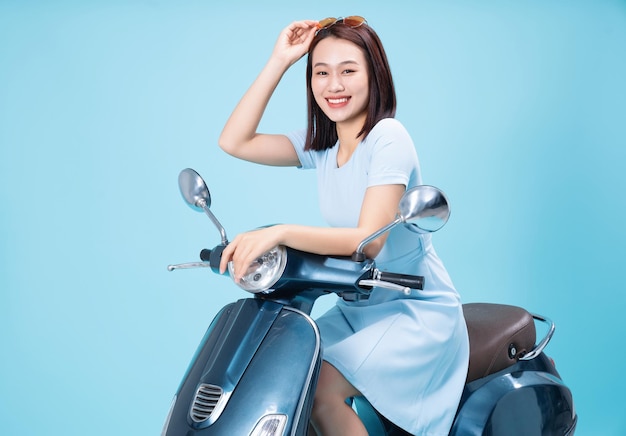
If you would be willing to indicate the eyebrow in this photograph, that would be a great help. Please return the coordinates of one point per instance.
(323, 64)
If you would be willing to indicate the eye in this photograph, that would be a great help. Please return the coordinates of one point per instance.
(351, 69)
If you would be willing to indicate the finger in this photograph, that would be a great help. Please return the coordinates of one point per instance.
(227, 255)
(242, 261)
(301, 29)
(303, 24)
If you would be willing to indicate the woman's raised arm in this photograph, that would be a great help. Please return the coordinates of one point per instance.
(239, 136)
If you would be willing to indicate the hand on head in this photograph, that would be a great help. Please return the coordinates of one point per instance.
(294, 41)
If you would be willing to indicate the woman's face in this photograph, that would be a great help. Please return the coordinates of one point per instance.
(340, 82)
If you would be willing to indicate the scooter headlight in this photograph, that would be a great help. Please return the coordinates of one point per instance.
(264, 272)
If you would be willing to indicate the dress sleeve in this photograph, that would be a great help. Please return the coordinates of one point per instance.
(298, 138)
(393, 159)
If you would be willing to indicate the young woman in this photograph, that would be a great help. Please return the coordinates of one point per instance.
(407, 355)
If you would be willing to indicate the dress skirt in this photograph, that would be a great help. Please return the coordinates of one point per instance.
(408, 355)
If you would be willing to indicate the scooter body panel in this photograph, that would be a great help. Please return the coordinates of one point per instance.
(526, 398)
(257, 359)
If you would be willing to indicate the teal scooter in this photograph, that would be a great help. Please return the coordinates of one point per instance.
(256, 368)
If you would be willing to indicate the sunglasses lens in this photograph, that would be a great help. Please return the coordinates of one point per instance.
(354, 21)
(322, 24)
(351, 21)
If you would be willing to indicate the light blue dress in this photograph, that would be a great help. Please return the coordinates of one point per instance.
(408, 355)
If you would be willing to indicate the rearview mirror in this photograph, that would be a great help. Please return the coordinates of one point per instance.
(194, 190)
(424, 209)
(196, 194)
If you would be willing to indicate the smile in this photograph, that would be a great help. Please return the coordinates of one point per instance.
(337, 101)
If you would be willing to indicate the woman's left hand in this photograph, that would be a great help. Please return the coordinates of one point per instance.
(247, 247)
(294, 41)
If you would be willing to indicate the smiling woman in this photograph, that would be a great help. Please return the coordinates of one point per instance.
(340, 86)
(365, 161)
(516, 110)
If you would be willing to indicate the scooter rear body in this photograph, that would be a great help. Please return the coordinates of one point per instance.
(512, 387)
(528, 398)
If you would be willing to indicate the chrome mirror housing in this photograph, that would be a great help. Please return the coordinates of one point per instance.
(194, 190)
(196, 194)
(424, 208)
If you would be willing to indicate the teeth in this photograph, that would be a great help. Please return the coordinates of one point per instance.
(337, 100)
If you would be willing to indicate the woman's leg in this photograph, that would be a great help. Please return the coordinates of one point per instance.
(331, 415)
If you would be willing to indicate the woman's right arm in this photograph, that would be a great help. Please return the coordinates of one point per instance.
(239, 137)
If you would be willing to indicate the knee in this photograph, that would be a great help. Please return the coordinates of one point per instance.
(330, 410)
(332, 390)
(322, 400)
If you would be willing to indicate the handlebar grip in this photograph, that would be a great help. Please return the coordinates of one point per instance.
(212, 256)
(205, 255)
(410, 281)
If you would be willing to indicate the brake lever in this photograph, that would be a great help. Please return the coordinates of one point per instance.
(387, 285)
(188, 265)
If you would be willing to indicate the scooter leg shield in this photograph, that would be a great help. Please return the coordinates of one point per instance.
(256, 366)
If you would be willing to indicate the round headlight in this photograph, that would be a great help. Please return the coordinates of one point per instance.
(264, 272)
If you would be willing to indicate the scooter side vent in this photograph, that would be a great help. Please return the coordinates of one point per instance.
(206, 399)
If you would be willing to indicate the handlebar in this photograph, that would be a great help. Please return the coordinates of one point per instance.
(394, 281)
(331, 274)
(209, 259)
(407, 280)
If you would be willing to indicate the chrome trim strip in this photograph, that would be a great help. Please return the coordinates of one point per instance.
(318, 345)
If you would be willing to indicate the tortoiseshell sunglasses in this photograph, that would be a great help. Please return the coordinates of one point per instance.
(351, 21)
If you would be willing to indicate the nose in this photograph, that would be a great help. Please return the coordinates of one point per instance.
(336, 83)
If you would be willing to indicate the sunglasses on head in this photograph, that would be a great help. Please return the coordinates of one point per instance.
(352, 21)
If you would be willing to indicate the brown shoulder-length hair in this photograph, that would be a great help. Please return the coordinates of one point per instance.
(321, 131)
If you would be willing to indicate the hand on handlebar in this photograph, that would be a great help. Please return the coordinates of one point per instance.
(247, 247)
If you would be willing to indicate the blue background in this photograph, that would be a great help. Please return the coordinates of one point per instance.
(517, 110)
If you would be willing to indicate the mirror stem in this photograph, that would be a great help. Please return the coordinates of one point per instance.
(202, 203)
(361, 247)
